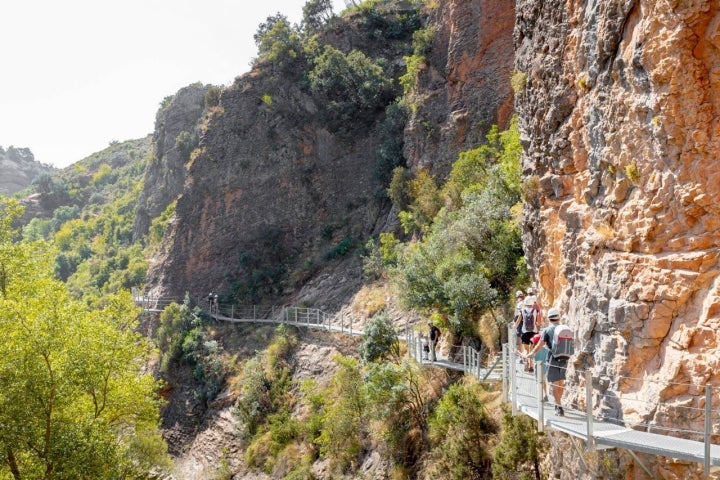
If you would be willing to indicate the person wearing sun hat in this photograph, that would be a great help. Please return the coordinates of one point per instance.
(519, 298)
(527, 324)
(556, 367)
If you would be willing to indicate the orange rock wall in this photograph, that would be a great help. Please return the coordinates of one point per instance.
(619, 118)
(464, 87)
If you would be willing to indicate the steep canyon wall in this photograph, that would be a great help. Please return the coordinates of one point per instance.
(619, 120)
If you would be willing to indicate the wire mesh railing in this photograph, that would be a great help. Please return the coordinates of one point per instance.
(646, 405)
(673, 409)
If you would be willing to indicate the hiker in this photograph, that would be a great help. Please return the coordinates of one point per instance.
(434, 336)
(519, 298)
(526, 322)
(425, 347)
(559, 340)
(536, 306)
(541, 356)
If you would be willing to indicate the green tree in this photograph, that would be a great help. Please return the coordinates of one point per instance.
(353, 87)
(468, 259)
(316, 13)
(279, 43)
(380, 340)
(396, 400)
(520, 449)
(343, 431)
(74, 402)
(462, 431)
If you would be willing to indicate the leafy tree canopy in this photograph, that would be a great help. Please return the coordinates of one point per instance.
(316, 13)
(467, 260)
(74, 403)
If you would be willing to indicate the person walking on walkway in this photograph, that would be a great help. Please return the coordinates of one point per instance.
(519, 298)
(541, 356)
(526, 323)
(556, 367)
(434, 337)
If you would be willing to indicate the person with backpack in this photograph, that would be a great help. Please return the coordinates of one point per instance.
(526, 323)
(541, 356)
(434, 337)
(561, 346)
(519, 298)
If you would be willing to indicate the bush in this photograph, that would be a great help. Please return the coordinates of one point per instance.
(343, 424)
(389, 154)
(352, 88)
(461, 431)
(380, 340)
(520, 448)
(341, 249)
(266, 381)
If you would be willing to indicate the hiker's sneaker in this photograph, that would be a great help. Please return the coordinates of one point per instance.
(545, 398)
(531, 370)
(559, 411)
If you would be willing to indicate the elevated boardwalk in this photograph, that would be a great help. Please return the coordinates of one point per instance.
(522, 390)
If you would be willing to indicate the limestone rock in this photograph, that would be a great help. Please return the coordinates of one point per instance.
(465, 87)
(619, 108)
(18, 169)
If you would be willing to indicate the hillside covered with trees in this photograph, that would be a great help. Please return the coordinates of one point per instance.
(298, 184)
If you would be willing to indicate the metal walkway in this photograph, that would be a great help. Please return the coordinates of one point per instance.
(523, 390)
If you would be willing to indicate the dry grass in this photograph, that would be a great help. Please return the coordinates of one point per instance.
(488, 331)
(369, 300)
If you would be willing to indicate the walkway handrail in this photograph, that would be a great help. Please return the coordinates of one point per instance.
(524, 390)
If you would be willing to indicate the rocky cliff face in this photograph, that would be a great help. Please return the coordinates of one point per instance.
(464, 88)
(276, 202)
(619, 117)
(176, 134)
(274, 192)
(18, 169)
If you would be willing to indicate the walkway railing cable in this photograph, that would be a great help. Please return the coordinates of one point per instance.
(607, 429)
(623, 421)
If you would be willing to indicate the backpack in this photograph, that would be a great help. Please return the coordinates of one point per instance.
(528, 320)
(563, 342)
(434, 333)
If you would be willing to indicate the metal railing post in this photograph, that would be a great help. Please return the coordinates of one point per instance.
(513, 380)
(589, 410)
(708, 426)
(541, 404)
(504, 374)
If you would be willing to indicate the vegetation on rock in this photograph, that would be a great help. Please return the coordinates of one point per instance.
(75, 402)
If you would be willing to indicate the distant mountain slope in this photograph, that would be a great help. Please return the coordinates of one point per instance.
(18, 169)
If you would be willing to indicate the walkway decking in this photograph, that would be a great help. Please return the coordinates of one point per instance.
(524, 397)
(519, 388)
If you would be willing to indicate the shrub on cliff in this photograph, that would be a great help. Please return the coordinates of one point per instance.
(462, 433)
(380, 340)
(520, 449)
(352, 88)
(280, 45)
(467, 260)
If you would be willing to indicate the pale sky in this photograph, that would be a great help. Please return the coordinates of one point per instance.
(78, 74)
